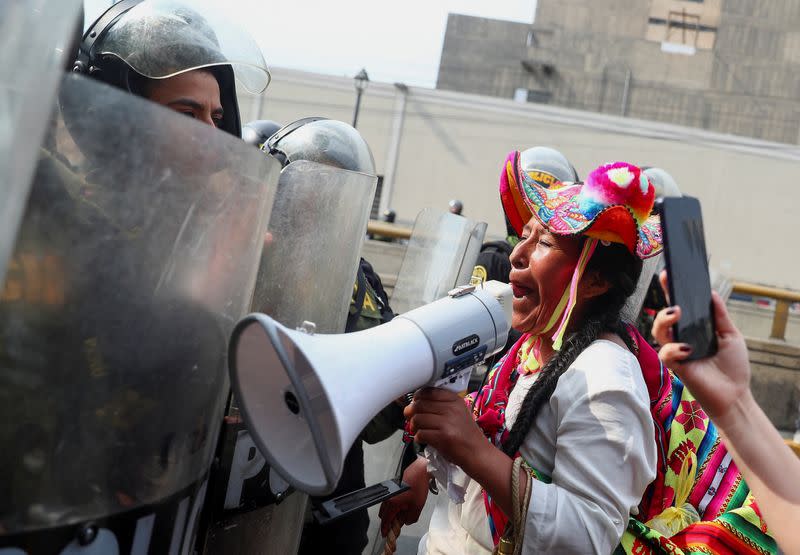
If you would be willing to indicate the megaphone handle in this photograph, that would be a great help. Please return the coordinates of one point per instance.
(343, 505)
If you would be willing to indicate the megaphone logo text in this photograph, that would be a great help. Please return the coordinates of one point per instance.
(466, 344)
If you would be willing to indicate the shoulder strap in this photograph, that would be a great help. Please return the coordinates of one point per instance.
(374, 282)
(361, 291)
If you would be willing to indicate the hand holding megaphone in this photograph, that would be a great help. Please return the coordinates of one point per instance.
(305, 398)
(439, 418)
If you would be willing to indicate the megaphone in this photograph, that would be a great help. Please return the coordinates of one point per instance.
(306, 398)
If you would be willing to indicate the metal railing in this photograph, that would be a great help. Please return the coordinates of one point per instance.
(384, 229)
(783, 300)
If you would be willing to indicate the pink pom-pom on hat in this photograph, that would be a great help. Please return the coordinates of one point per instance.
(619, 183)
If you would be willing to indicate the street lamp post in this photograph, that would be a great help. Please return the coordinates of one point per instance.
(361, 81)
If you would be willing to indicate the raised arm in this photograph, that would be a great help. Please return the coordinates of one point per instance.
(722, 386)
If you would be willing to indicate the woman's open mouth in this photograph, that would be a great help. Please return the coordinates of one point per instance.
(519, 291)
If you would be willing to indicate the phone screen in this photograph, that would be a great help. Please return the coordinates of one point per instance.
(687, 269)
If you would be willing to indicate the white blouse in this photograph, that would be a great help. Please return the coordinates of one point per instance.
(595, 438)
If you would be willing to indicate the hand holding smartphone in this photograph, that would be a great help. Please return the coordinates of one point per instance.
(687, 268)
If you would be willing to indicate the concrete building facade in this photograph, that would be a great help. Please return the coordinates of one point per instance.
(731, 66)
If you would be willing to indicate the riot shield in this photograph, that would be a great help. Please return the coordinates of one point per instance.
(35, 35)
(441, 253)
(307, 273)
(138, 250)
(633, 306)
(318, 222)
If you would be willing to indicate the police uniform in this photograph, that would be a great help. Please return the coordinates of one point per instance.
(493, 262)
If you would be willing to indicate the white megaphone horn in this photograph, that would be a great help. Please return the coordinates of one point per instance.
(306, 398)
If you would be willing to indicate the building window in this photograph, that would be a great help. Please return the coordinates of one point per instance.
(523, 95)
(683, 25)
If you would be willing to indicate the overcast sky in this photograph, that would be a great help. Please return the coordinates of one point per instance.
(394, 41)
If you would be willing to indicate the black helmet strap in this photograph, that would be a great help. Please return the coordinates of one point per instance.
(97, 30)
(288, 129)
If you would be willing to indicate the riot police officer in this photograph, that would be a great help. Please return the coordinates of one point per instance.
(176, 54)
(110, 331)
(337, 144)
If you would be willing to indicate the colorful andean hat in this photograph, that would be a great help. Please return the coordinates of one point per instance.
(517, 212)
(613, 205)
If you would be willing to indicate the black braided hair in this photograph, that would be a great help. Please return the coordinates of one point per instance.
(621, 269)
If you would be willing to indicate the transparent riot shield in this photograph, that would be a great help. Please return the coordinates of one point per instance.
(441, 254)
(137, 252)
(307, 273)
(633, 306)
(35, 35)
(318, 222)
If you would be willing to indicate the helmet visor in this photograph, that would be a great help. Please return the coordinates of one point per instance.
(163, 38)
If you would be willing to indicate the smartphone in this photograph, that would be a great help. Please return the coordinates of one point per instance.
(688, 277)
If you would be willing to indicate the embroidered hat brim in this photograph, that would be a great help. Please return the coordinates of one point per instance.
(514, 205)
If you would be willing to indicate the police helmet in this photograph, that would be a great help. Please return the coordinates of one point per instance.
(389, 215)
(136, 40)
(546, 166)
(257, 132)
(544, 163)
(664, 184)
(322, 140)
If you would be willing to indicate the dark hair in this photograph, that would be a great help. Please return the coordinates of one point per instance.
(621, 269)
